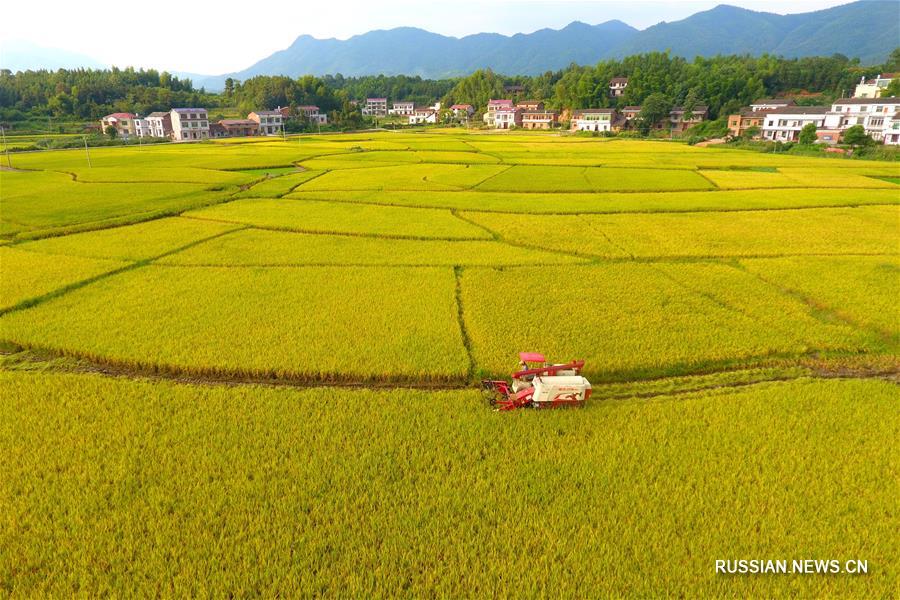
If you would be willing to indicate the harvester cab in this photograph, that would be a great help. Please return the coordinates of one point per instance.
(539, 384)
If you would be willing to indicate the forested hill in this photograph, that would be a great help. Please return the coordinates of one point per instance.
(724, 83)
(867, 30)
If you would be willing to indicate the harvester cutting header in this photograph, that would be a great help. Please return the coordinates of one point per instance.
(543, 386)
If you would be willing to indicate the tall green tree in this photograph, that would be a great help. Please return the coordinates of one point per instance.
(807, 134)
(856, 136)
(656, 107)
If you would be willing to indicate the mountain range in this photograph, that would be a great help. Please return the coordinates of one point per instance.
(867, 29)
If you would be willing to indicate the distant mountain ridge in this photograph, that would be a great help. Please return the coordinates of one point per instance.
(412, 51)
(867, 29)
(18, 55)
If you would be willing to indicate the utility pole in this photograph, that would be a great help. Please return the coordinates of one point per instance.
(5, 146)
(87, 152)
(283, 138)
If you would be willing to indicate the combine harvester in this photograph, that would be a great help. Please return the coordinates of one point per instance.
(544, 386)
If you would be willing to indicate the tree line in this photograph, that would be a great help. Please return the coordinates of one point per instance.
(723, 83)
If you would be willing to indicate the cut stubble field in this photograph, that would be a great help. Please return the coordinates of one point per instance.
(737, 312)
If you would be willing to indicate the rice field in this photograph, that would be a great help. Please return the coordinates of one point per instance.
(826, 231)
(154, 488)
(250, 368)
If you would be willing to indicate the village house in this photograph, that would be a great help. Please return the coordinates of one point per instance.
(313, 114)
(680, 120)
(530, 105)
(871, 113)
(631, 113)
(492, 107)
(744, 120)
(160, 124)
(189, 124)
(216, 130)
(402, 109)
(755, 114)
(122, 122)
(539, 118)
(141, 127)
(308, 111)
(617, 86)
(507, 117)
(375, 107)
(462, 111)
(784, 124)
(238, 127)
(891, 132)
(422, 115)
(764, 104)
(873, 88)
(270, 122)
(513, 90)
(594, 119)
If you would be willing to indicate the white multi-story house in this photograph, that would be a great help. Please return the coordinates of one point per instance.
(142, 127)
(507, 118)
(873, 88)
(494, 106)
(312, 113)
(160, 124)
(784, 124)
(189, 124)
(617, 86)
(270, 121)
(375, 107)
(593, 119)
(402, 109)
(423, 115)
(871, 113)
(891, 132)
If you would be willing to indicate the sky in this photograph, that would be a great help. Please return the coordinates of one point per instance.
(227, 37)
